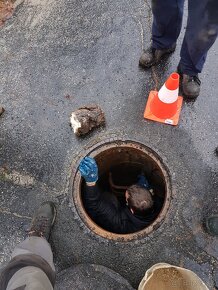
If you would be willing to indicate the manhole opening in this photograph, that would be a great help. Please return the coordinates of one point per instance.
(119, 166)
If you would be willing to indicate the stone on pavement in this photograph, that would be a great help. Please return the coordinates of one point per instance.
(86, 118)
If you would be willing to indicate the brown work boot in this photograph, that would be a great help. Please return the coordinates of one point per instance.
(190, 85)
(43, 220)
(1, 110)
(152, 56)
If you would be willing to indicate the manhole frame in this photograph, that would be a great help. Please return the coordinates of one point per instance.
(77, 181)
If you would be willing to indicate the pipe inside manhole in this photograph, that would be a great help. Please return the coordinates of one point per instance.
(119, 163)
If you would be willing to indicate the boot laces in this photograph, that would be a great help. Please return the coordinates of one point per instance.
(194, 79)
(40, 225)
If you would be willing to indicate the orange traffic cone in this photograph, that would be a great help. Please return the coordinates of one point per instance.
(165, 106)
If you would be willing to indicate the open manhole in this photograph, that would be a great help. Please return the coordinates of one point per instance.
(120, 163)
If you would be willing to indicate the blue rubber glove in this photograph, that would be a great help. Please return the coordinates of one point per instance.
(88, 168)
(142, 181)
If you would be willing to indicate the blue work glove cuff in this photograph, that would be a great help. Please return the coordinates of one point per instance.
(92, 178)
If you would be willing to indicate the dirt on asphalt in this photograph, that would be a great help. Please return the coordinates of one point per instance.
(6, 10)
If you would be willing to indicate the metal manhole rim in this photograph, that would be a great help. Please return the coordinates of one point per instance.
(76, 185)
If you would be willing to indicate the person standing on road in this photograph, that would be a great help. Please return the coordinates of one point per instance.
(141, 207)
(201, 33)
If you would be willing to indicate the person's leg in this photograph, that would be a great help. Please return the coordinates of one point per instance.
(32, 260)
(29, 278)
(36, 246)
(201, 33)
(167, 22)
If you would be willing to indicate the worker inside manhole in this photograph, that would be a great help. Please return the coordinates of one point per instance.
(121, 201)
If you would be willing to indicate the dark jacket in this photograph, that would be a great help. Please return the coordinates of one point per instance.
(109, 213)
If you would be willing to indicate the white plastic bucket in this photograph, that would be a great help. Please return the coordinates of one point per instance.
(164, 276)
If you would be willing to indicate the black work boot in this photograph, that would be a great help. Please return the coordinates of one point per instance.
(152, 56)
(43, 220)
(211, 225)
(190, 85)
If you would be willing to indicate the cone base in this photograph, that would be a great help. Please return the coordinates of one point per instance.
(173, 120)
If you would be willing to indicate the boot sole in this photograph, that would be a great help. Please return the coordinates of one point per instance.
(54, 217)
(52, 223)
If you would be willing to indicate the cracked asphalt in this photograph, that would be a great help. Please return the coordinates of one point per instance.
(59, 55)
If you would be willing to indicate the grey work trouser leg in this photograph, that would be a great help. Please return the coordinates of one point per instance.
(32, 277)
(35, 245)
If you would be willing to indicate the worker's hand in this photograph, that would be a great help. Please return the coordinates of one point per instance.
(142, 181)
(89, 170)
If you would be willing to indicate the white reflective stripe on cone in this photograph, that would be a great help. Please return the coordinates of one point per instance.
(168, 96)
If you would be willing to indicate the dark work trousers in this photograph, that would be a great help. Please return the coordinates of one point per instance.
(201, 30)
